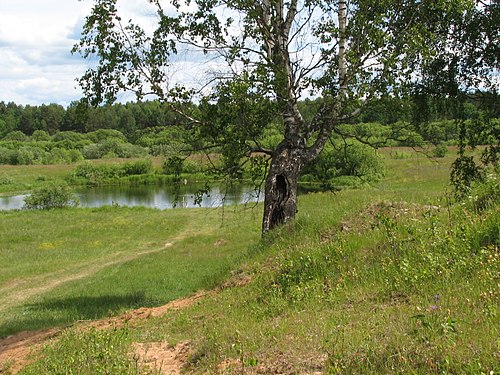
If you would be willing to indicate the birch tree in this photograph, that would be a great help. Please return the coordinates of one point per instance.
(269, 54)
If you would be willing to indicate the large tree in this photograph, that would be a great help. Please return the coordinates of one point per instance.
(265, 56)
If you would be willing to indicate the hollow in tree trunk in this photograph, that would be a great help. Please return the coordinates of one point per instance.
(280, 199)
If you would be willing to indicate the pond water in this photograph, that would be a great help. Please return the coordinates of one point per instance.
(161, 197)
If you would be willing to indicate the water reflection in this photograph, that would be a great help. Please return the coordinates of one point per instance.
(161, 197)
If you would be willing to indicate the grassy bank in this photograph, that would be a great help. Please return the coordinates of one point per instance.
(15, 179)
(65, 265)
(391, 278)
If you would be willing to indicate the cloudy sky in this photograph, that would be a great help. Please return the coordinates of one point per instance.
(36, 37)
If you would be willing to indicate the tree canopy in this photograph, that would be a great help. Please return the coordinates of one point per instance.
(268, 54)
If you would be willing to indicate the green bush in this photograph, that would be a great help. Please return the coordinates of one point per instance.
(51, 196)
(96, 174)
(30, 155)
(113, 148)
(7, 156)
(16, 135)
(101, 135)
(71, 145)
(69, 136)
(138, 167)
(40, 135)
(440, 151)
(353, 159)
(92, 152)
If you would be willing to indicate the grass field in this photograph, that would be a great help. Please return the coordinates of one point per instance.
(74, 264)
(390, 278)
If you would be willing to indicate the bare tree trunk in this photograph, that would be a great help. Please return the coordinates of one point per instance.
(342, 19)
(281, 190)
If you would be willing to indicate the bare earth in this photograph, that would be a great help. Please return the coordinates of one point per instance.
(15, 350)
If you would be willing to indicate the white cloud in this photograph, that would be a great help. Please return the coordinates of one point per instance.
(36, 38)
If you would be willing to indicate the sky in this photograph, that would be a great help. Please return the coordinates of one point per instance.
(36, 37)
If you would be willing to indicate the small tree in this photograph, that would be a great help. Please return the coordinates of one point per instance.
(270, 54)
(51, 196)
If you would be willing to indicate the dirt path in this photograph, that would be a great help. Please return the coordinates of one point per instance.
(15, 350)
(16, 292)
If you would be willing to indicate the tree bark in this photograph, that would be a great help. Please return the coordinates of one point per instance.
(281, 190)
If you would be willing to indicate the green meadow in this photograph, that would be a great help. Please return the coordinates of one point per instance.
(392, 277)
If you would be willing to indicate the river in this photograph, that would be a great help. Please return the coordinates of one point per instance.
(153, 196)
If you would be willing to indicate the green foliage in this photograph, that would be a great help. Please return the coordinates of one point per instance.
(440, 151)
(349, 159)
(173, 165)
(37, 153)
(238, 122)
(464, 172)
(16, 135)
(485, 195)
(102, 173)
(40, 135)
(113, 147)
(138, 167)
(102, 135)
(49, 197)
(8, 156)
(68, 136)
(27, 155)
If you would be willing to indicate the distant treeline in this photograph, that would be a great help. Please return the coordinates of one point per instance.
(50, 133)
(81, 118)
(132, 117)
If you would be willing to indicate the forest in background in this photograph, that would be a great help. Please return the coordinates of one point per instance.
(49, 134)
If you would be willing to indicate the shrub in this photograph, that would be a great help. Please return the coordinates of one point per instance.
(113, 148)
(440, 151)
(138, 167)
(92, 152)
(74, 156)
(25, 156)
(72, 145)
(95, 174)
(7, 156)
(69, 135)
(40, 135)
(128, 150)
(352, 159)
(16, 135)
(51, 196)
(101, 135)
